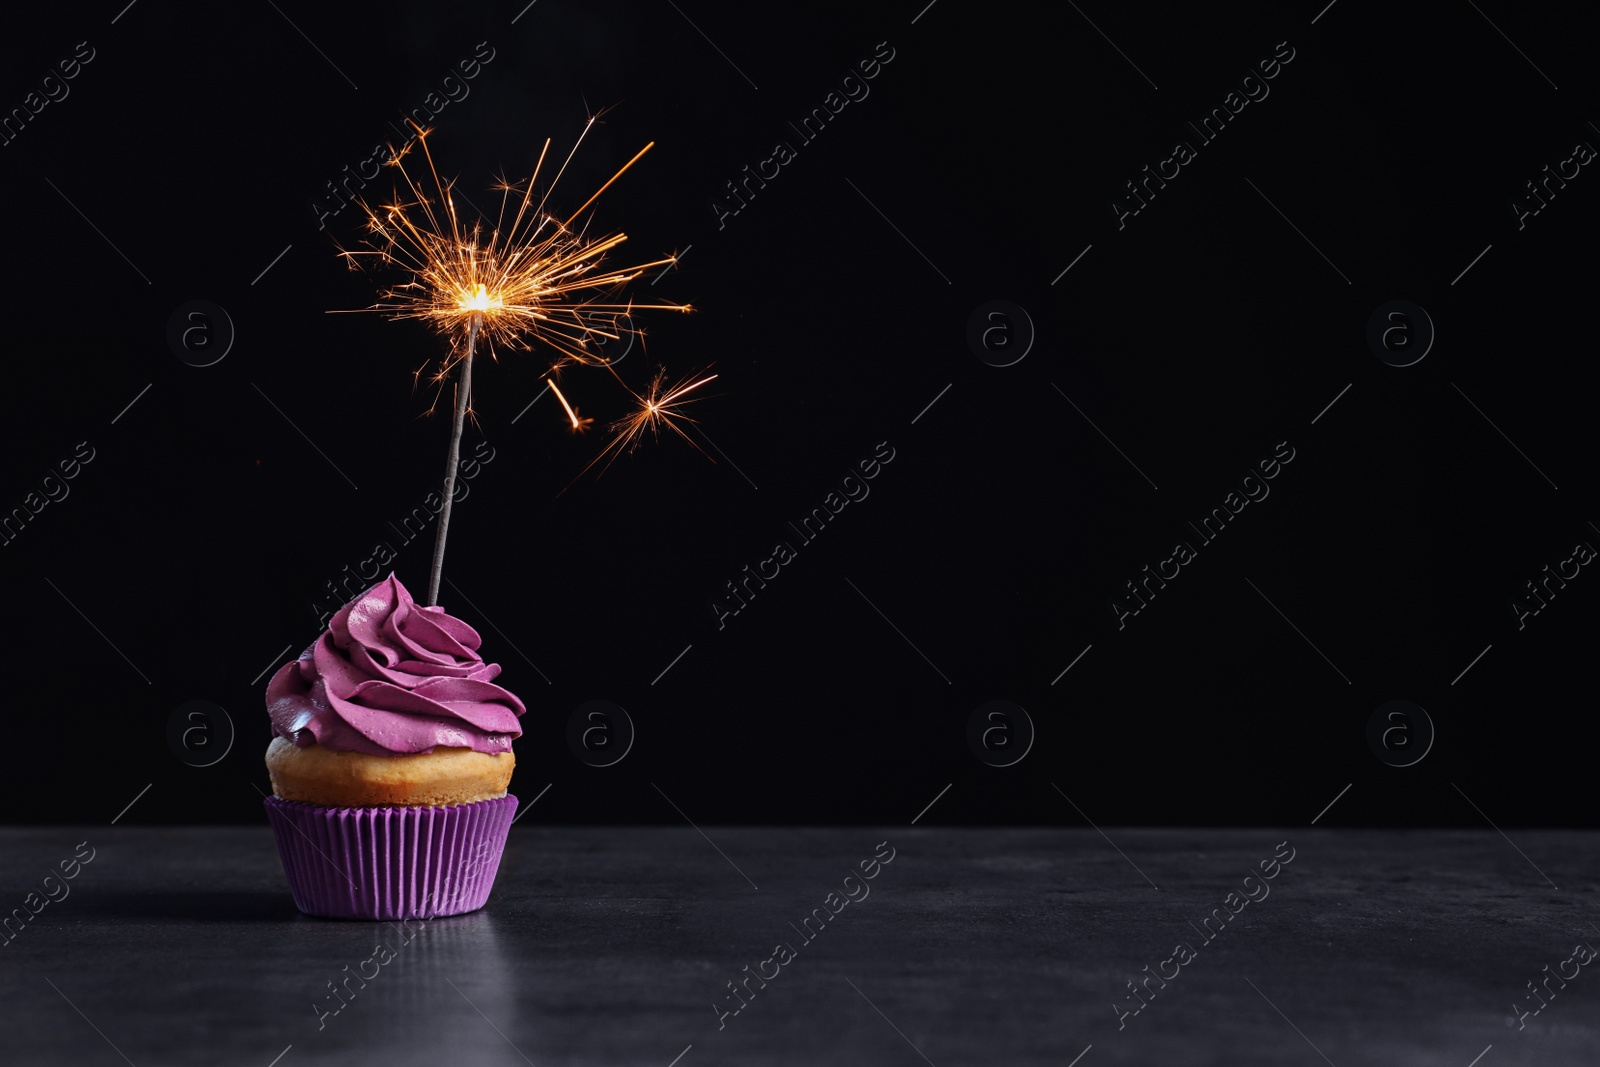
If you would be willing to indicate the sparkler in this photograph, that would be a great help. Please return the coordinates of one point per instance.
(538, 279)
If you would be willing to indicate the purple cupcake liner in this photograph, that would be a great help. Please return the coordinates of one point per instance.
(390, 862)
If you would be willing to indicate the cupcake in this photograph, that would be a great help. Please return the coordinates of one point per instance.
(390, 760)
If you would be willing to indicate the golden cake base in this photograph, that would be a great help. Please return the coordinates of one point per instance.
(337, 779)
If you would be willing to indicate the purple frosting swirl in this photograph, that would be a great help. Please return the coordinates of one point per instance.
(391, 678)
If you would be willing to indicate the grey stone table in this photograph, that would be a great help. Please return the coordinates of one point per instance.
(970, 946)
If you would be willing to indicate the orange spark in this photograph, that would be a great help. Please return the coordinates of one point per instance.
(656, 409)
(577, 424)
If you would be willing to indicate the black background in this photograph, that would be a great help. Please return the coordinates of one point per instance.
(1196, 338)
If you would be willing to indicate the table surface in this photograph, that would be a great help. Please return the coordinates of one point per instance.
(973, 946)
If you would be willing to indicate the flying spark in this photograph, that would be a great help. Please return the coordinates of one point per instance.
(577, 423)
(656, 408)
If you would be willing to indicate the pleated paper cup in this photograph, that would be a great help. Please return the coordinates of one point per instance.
(390, 862)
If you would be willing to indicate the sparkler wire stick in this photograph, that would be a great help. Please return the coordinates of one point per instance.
(463, 402)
